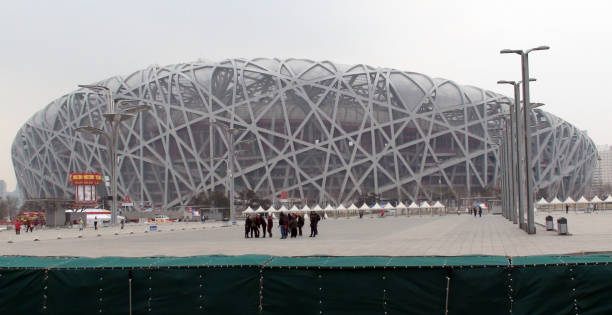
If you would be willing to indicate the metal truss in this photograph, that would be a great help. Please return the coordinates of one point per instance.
(324, 132)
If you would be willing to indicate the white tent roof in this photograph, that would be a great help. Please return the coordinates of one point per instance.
(401, 205)
(569, 200)
(556, 201)
(609, 199)
(377, 207)
(260, 210)
(317, 208)
(438, 204)
(388, 206)
(352, 207)
(425, 205)
(542, 201)
(596, 200)
(582, 200)
(282, 209)
(341, 208)
(329, 208)
(306, 208)
(364, 207)
(413, 205)
(294, 209)
(248, 210)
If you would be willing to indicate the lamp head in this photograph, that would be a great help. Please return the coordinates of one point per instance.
(506, 82)
(510, 51)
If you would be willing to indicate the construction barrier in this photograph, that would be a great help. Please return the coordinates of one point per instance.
(260, 284)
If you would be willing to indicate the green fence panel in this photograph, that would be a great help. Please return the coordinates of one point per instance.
(293, 291)
(190, 290)
(21, 291)
(87, 291)
(542, 290)
(415, 290)
(479, 290)
(593, 288)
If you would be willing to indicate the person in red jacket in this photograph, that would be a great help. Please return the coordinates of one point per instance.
(17, 227)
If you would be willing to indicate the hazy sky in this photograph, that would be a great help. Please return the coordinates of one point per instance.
(47, 48)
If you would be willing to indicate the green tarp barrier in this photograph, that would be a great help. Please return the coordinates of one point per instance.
(261, 284)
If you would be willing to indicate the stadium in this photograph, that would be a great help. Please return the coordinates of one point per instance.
(321, 132)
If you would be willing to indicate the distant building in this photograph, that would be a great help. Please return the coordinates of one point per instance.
(602, 175)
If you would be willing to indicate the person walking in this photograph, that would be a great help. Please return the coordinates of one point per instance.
(316, 224)
(247, 226)
(293, 225)
(122, 223)
(282, 223)
(96, 223)
(566, 209)
(17, 227)
(270, 224)
(263, 225)
(300, 223)
(254, 230)
(479, 211)
(81, 224)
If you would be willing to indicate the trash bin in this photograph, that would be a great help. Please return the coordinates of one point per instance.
(562, 226)
(549, 223)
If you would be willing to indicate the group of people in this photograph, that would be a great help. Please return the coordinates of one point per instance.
(476, 210)
(28, 225)
(252, 225)
(289, 224)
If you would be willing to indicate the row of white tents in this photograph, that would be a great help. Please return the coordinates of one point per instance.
(352, 207)
(570, 201)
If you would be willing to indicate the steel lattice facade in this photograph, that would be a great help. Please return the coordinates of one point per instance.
(323, 132)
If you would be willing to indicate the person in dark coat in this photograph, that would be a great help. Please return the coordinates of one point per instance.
(474, 211)
(247, 226)
(566, 208)
(270, 224)
(263, 225)
(314, 218)
(300, 223)
(293, 225)
(316, 224)
(282, 223)
(255, 227)
(479, 211)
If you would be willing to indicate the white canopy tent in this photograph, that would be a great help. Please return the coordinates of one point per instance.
(438, 204)
(317, 208)
(340, 208)
(306, 208)
(541, 204)
(294, 209)
(329, 208)
(569, 200)
(248, 210)
(555, 203)
(596, 200)
(260, 210)
(607, 200)
(401, 206)
(282, 209)
(582, 200)
(413, 205)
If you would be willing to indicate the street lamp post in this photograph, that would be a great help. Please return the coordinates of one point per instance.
(229, 133)
(529, 202)
(114, 118)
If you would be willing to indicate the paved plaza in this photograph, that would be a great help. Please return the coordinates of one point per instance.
(449, 235)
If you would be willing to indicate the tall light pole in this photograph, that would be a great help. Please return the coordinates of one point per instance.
(529, 202)
(517, 188)
(114, 118)
(229, 134)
